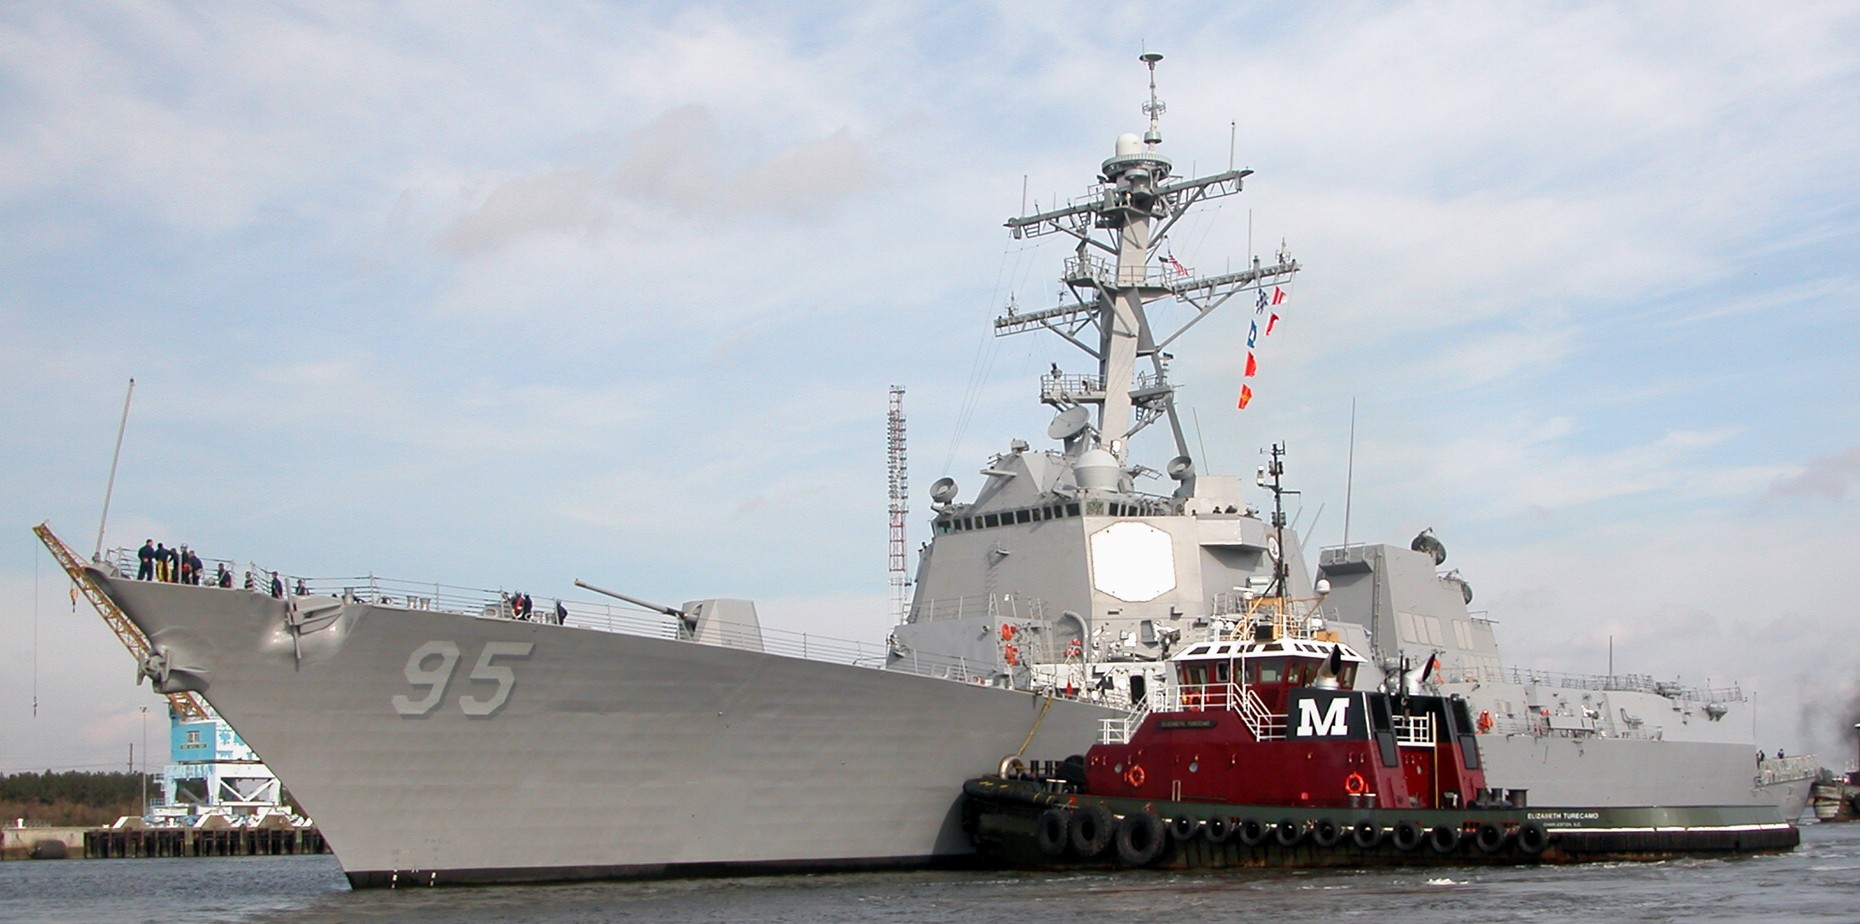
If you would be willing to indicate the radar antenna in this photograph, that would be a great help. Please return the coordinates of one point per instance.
(899, 479)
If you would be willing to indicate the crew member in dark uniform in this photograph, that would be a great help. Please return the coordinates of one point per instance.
(145, 557)
(277, 586)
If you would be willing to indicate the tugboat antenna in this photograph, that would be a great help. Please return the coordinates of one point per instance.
(1271, 478)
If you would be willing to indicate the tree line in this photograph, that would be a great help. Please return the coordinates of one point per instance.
(70, 797)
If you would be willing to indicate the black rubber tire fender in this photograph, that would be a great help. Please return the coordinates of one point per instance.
(1366, 834)
(1092, 830)
(1532, 839)
(1444, 839)
(1406, 836)
(1288, 833)
(1326, 833)
(1219, 829)
(1253, 832)
(1184, 828)
(1491, 838)
(1139, 839)
(1053, 831)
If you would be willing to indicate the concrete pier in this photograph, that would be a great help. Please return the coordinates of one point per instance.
(34, 843)
(106, 843)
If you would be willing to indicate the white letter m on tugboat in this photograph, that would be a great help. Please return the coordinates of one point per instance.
(1334, 722)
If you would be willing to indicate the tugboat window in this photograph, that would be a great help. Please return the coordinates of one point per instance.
(1269, 670)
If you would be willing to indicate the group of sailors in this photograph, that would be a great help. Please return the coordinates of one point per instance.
(155, 561)
(520, 606)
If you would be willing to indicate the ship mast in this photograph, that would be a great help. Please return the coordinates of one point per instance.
(1103, 311)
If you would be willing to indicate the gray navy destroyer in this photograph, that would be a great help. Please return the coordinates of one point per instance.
(435, 739)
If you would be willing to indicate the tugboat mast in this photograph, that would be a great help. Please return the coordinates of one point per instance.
(1271, 478)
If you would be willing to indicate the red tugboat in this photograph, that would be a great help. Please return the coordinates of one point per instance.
(1262, 753)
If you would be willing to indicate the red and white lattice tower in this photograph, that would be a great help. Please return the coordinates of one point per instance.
(900, 494)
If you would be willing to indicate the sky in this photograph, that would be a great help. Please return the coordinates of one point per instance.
(504, 296)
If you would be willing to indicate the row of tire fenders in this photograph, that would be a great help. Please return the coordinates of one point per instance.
(1140, 837)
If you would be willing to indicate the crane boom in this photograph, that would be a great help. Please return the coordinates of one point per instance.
(185, 704)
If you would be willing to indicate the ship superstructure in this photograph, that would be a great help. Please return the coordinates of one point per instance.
(1066, 569)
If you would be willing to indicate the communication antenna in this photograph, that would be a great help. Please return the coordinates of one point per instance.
(1155, 107)
(111, 486)
(900, 484)
(1349, 478)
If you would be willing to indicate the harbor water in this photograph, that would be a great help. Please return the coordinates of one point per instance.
(1820, 881)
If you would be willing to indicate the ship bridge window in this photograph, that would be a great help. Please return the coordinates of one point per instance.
(1072, 510)
(991, 520)
(1265, 670)
(1023, 516)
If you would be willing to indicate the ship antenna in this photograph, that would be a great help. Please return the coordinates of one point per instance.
(1155, 107)
(899, 478)
(110, 488)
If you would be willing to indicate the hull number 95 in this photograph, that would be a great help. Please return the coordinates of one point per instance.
(431, 666)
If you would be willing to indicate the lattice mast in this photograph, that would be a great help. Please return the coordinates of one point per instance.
(185, 704)
(1122, 227)
(898, 476)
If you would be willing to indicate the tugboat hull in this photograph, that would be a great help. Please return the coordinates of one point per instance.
(1015, 823)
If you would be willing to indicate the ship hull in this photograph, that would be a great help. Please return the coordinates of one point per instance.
(436, 748)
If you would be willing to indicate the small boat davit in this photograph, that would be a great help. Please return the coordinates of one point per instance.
(1260, 753)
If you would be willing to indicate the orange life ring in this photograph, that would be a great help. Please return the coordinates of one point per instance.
(1485, 721)
(1134, 776)
(1011, 655)
(1007, 632)
(1355, 785)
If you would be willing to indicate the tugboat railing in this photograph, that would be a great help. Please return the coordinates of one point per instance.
(1414, 730)
(1265, 724)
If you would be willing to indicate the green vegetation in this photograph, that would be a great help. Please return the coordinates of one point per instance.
(72, 797)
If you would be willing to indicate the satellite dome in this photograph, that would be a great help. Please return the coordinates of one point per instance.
(1098, 470)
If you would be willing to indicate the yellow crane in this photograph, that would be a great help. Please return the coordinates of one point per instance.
(184, 704)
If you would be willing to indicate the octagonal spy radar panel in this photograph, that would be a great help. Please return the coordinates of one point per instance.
(1133, 562)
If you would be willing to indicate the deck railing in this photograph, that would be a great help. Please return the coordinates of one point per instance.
(496, 604)
(1632, 683)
